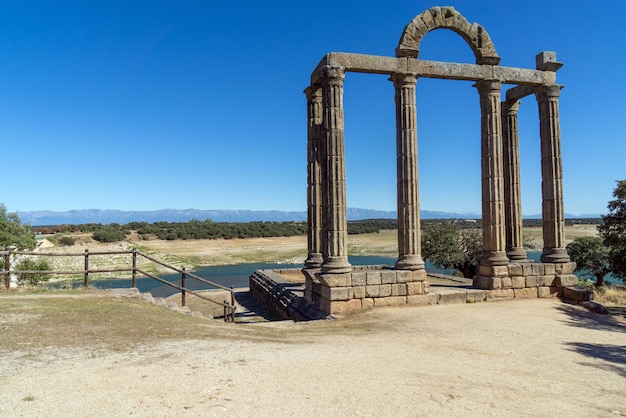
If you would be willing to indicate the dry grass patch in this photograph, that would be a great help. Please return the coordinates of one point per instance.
(610, 296)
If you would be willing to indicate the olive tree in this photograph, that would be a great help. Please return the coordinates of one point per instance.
(613, 231)
(448, 246)
(592, 255)
(14, 232)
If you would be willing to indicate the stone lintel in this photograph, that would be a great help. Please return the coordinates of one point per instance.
(374, 64)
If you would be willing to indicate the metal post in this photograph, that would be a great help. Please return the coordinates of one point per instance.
(182, 284)
(86, 282)
(134, 284)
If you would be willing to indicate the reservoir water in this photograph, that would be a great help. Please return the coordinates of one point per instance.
(237, 275)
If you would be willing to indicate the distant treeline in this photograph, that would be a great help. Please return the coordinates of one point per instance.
(208, 229)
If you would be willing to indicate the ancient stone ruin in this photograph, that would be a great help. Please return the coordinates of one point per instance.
(335, 286)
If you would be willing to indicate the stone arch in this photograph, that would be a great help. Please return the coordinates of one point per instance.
(447, 17)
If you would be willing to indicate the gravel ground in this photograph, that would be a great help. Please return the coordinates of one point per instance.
(539, 358)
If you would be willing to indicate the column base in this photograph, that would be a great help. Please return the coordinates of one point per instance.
(336, 265)
(516, 254)
(494, 258)
(314, 261)
(410, 262)
(555, 255)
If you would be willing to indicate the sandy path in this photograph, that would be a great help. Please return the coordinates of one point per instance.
(517, 358)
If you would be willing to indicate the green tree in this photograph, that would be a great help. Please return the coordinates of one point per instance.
(592, 255)
(448, 246)
(31, 264)
(14, 232)
(613, 230)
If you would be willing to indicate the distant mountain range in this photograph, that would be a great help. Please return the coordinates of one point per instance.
(84, 216)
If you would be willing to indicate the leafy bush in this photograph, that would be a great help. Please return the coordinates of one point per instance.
(66, 241)
(30, 264)
(108, 234)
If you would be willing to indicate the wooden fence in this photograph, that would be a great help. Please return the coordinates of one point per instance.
(229, 306)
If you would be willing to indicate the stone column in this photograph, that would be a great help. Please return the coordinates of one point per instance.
(409, 235)
(494, 253)
(314, 177)
(335, 226)
(552, 175)
(512, 193)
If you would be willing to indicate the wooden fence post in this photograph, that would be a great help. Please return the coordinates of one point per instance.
(182, 284)
(134, 284)
(86, 283)
(232, 303)
(7, 267)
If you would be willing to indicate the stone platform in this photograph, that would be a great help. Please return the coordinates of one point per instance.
(296, 301)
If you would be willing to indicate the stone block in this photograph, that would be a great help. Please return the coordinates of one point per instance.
(566, 280)
(367, 303)
(385, 290)
(545, 292)
(576, 293)
(549, 280)
(335, 280)
(447, 297)
(492, 271)
(519, 282)
(358, 292)
(418, 275)
(373, 277)
(340, 307)
(507, 283)
(564, 268)
(398, 289)
(359, 278)
(537, 269)
(390, 301)
(531, 281)
(515, 270)
(372, 291)
(426, 285)
(324, 305)
(500, 294)
(527, 293)
(527, 269)
(388, 277)
(336, 293)
(483, 282)
(549, 269)
(474, 295)
(414, 288)
(403, 276)
(429, 299)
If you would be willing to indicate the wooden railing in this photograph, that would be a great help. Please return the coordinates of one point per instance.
(229, 306)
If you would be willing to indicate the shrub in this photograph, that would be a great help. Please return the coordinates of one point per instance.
(32, 279)
(109, 235)
(66, 241)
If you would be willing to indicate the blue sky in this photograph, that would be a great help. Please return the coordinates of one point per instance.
(138, 105)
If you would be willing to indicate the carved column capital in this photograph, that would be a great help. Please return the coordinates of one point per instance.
(548, 92)
(510, 107)
(402, 79)
(333, 74)
(488, 86)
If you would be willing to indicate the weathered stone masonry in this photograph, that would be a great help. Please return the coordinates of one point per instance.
(332, 283)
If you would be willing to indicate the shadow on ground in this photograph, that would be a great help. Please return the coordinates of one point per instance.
(608, 357)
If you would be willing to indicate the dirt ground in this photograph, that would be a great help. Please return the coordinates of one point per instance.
(539, 358)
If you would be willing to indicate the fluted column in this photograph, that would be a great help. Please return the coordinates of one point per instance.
(314, 176)
(552, 175)
(492, 174)
(409, 234)
(335, 230)
(512, 193)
